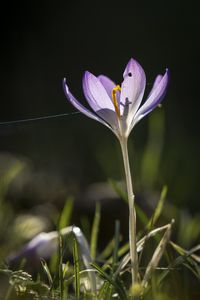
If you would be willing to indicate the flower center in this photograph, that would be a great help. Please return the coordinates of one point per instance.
(114, 99)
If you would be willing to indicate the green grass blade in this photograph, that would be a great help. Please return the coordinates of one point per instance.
(7, 178)
(182, 251)
(118, 189)
(189, 258)
(65, 269)
(193, 267)
(116, 248)
(174, 264)
(85, 254)
(76, 269)
(107, 251)
(115, 283)
(158, 209)
(178, 248)
(95, 231)
(105, 291)
(123, 195)
(121, 251)
(47, 272)
(152, 154)
(141, 215)
(65, 216)
(60, 272)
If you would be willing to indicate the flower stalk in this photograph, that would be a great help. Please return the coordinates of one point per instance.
(119, 107)
(132, 213)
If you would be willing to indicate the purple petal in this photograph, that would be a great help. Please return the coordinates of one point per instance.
(107, 83)
(99, 100)
(95, 93)
(78, 105)
(110, 117)
(132, 87)
(155, 97)
(156, 82)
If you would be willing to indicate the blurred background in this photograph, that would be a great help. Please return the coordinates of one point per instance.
(44, 162)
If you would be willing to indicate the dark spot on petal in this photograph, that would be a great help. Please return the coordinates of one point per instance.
(130, 74)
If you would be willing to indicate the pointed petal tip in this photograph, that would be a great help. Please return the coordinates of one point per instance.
(166, 71)
(86, 76)
(87, 73)
(101, 76)
(78, 105)
(64, 81)
(133, 62)
(167, 76)
(65, 86)
(160, 77)
(132, 67)
(155, 97)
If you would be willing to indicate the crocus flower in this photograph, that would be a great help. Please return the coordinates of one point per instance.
(45, 244)
(119, 106)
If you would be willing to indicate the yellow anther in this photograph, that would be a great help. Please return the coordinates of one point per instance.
(114, 98)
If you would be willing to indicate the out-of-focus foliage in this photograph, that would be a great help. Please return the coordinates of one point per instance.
(65, 277)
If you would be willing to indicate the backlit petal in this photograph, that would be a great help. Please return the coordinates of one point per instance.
(133, 88)
(108, 84)
(99, 100)
(95, 93)
(79, 106)
(156, 82)
(155, 97)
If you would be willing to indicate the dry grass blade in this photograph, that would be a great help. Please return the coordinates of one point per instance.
(140, 246)
(157, 256)
(152, 233)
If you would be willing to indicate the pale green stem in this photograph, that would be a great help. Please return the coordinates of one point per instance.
(132, 213)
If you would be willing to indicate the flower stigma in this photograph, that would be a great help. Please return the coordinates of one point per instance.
(114, 98)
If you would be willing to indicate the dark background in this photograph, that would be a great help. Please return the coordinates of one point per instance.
(44, 41)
